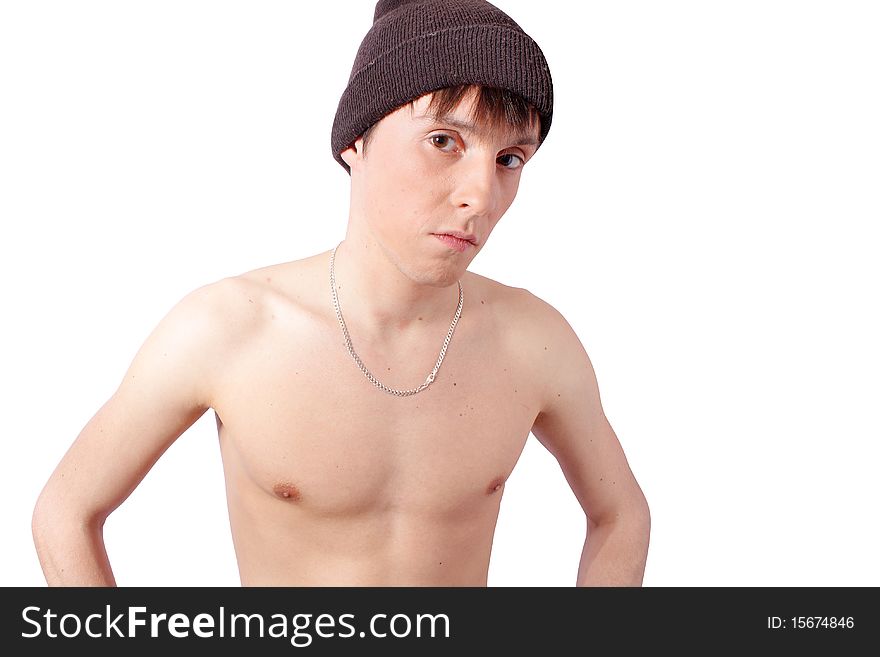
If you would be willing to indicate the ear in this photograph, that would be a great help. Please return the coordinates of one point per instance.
(353, 155)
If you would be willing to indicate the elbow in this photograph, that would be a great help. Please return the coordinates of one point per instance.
(639, 511)
(45, 523)
(645, 513)
(57, 517)
(641, 517)
(41, 529)
(40, 518)
(635, 514)
(67, 530)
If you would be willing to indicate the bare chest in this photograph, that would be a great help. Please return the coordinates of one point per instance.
(303, 424)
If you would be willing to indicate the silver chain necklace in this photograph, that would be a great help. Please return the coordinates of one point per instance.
(360, 363)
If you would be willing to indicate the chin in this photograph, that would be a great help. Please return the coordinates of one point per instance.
(449, 277)
(439, 276)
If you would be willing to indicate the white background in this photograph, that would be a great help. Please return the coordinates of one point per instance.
(703, 212)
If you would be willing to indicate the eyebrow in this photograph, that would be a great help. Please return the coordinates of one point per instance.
(524, 140)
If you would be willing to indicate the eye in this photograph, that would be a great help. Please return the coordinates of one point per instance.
(447, 138)
(515, 156)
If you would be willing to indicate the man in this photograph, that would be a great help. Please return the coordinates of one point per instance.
(372, 400)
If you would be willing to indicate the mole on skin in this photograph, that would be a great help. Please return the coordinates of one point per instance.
(286, 491)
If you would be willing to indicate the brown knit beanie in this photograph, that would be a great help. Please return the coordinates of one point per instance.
(417, 46)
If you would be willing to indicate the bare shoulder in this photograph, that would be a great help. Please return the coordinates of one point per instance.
(194, 338)
(541, 339)
(530, 320)
(299, 284)
(229, 310)
(503, 300)
(209, 328)
(221, 311)
(220, 317)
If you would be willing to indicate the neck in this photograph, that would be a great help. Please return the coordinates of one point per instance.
(379, 299)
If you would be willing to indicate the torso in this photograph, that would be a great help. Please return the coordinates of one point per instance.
(333, 482)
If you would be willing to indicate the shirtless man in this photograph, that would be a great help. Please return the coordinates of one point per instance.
(367, 429)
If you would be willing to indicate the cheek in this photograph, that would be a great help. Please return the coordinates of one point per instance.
(508, 193)
(429, 164)
(400, 200)
(507, 200)
(415, 185)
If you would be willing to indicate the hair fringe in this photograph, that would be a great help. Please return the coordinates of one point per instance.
(501, 110)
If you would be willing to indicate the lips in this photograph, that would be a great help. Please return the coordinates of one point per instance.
(460, 235)
(457, 243)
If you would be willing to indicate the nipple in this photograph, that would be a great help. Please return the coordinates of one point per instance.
(496, 485)
(286, 491)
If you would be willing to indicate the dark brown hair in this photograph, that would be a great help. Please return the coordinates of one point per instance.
(500, 109)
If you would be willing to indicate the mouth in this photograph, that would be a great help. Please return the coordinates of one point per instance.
(461, 242)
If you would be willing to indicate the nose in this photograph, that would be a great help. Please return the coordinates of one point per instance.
(474, 186)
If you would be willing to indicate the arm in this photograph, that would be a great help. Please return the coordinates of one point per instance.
(573, 427)
(164, 391)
